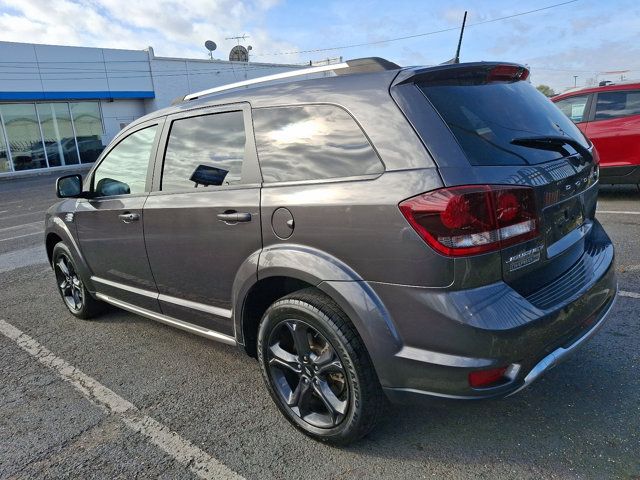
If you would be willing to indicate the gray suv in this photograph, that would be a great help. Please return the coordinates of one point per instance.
(381, 233)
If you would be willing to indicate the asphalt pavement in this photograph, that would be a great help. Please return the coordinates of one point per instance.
(125, 397)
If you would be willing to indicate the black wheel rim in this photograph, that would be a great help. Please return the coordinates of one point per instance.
(69, 283)
(307, 374)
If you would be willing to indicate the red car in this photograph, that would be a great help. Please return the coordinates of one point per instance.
(610, 116)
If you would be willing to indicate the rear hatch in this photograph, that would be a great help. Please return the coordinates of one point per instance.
(485, 124)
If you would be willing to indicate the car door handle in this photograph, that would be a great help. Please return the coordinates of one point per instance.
(129, 217)
(234, 217)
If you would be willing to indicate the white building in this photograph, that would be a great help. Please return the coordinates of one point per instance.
(60, 106)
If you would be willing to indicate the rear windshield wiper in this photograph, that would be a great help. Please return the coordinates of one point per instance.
(553, 143)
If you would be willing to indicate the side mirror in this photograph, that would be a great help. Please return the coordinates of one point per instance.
(69, 186)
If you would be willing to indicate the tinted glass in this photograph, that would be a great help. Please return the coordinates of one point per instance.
(574, 107)
(124, 169)
(485, 118)
(4, 154)
(88, 125)
(55, 121)
(203, 151)
(23, 132)
(311, 143)
(617, 104)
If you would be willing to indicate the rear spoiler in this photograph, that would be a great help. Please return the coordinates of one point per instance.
(476, 73)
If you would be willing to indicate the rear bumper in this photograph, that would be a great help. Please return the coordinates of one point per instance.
(620, 175)
(560, 354)
(445, 335)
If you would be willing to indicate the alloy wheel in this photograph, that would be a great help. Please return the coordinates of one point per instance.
(69, 283)
(308, 374)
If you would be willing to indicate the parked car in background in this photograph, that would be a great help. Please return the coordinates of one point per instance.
(610, 116)
(407, 232)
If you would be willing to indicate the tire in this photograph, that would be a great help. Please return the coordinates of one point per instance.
(317, 370)
(75, 296)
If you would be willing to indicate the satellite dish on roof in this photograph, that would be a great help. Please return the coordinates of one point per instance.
(239, 54)
(211, 46)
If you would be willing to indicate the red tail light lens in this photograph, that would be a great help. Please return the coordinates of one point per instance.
(486, 378)
(473, 219)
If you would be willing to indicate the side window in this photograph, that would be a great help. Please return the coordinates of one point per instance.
(311, 142)
(203, 151)
(574, 107)
(124, 169)
(617, 104)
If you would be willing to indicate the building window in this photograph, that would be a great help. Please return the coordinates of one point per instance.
(88, 125)
(23, 134)
(4, 154)
(52, 134)
(57, 131)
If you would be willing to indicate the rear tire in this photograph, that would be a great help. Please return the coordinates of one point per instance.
(317, 370)
(75, 295)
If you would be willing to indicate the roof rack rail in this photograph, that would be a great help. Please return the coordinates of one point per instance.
(358, 65)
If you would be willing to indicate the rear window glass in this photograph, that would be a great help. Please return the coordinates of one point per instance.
(485, 118)
(311, 142)
(617, 104)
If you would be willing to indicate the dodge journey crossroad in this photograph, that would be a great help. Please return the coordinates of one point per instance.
(377, 233)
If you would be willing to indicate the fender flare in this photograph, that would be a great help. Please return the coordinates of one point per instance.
(330, 275)
(55, 225)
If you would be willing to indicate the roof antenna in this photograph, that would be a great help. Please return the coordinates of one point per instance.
(456, 59)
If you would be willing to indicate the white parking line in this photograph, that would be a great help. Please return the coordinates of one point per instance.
(622, 293)
(15, 227)
(20, 236)
(618, 212)
(37, 212)
(180, 449)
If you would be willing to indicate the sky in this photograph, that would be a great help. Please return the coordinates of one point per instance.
(582, 38)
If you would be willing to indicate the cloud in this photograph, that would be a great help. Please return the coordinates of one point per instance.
(580, 38)
(172, 27)
(589, 63)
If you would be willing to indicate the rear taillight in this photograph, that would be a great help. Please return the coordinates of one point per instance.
(473, 219)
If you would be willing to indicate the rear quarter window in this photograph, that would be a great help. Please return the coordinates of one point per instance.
(617, 104)
(311, 142)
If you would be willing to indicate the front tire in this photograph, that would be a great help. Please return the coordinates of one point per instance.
(75, 295)
(317, 370)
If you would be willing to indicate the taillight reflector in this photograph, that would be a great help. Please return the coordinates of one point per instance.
(473, 219)
(487, 378)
